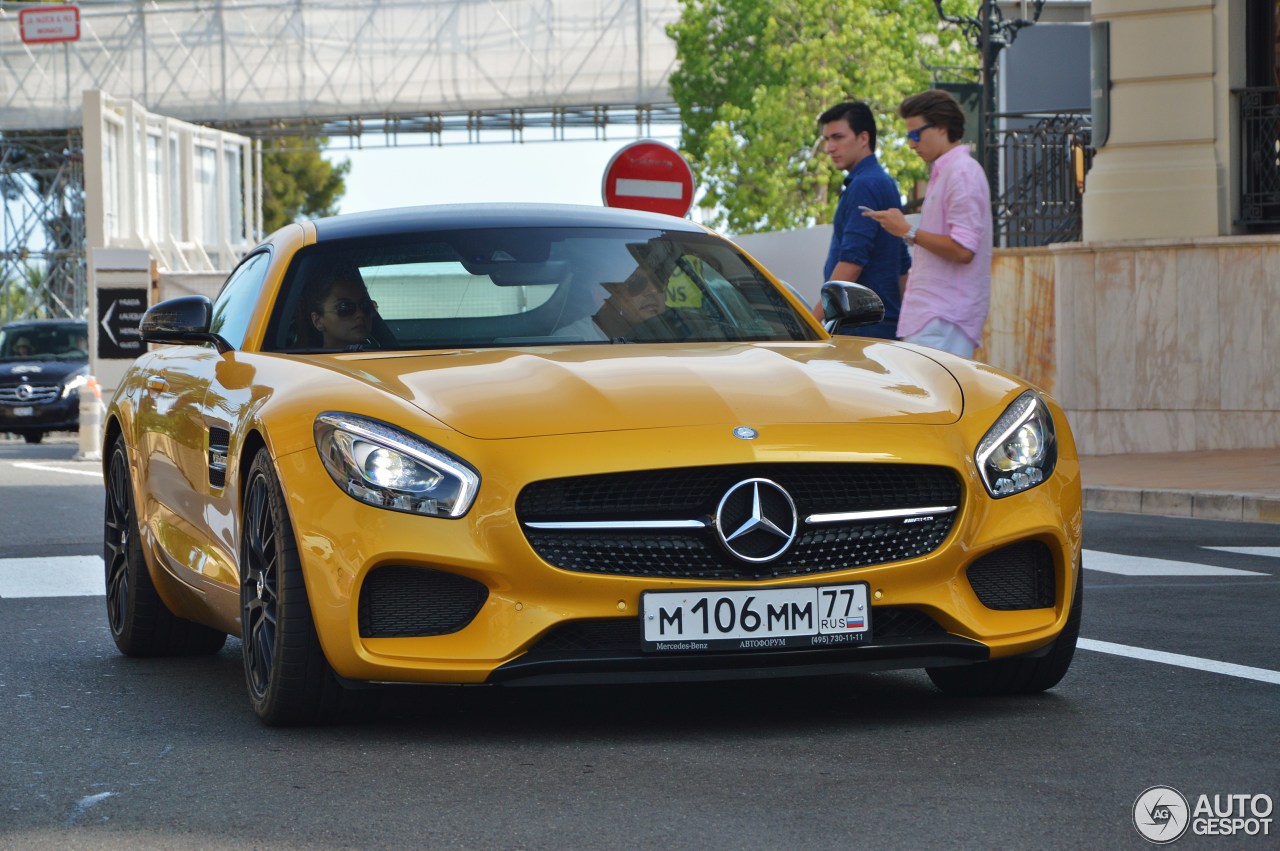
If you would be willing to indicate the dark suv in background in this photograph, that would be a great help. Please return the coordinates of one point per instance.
(43, 365)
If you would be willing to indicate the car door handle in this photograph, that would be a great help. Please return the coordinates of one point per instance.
(157, 384)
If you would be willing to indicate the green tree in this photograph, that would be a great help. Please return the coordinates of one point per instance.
(22, 293)
(297, 182)
(753, 76)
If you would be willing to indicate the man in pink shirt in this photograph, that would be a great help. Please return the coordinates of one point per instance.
(949, 289)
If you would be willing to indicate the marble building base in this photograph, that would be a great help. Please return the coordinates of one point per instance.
(1152, 345)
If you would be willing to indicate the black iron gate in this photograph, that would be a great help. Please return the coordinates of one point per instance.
(1259, 158)
(1041, 159)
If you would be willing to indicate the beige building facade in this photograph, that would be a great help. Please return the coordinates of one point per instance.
(1160, 330)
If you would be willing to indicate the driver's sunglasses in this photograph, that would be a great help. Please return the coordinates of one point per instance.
(637, 284)
(347, 309)
(914, 135)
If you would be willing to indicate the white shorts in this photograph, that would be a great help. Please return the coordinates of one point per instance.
(941, 334)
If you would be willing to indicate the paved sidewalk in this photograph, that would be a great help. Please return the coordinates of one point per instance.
(1235, 484)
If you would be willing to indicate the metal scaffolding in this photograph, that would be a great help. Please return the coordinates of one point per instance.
(267, 60)
(399, 71)
(42, 257)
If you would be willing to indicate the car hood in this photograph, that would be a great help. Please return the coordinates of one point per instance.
(38, 371)
(519, 393)
(508, 393)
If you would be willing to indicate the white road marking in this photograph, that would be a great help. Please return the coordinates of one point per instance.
(69, 576)
(92, 471)
(87, 803)
(1143, 566)
(1262, 675)
(82, 576)
(1266, 552)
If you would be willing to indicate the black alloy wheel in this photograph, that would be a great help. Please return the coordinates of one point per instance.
(141, 624)
(119, 541)
(288, 678)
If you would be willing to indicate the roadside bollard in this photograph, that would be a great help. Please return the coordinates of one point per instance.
(90, 421)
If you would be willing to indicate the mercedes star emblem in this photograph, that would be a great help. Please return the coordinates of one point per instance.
(756, 520)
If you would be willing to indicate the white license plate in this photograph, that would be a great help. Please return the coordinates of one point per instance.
(814, 616)
(26, 411)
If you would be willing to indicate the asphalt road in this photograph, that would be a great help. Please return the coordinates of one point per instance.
(100, 751)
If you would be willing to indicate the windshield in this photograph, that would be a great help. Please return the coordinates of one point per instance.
(45, 341)
(527, 286)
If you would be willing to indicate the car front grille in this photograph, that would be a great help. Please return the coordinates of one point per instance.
(1015, 577)
(620, 504)
(37, 394)
(402, 602)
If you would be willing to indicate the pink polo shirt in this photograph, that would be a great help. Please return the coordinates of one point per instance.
(957, 202)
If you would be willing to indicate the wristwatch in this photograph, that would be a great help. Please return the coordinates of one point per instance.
(910, 236)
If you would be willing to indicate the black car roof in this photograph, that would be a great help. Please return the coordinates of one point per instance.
(469, 216)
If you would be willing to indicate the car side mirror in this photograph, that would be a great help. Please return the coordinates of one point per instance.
(848, 305)
(184, 319)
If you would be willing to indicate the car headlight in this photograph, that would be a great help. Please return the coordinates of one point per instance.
(74, 383)
(1020, 450)
(381, 465)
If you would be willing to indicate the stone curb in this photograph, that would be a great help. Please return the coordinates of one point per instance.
(1207, 505)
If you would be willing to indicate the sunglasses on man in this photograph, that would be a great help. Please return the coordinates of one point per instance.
(914, 135)
(637, 285)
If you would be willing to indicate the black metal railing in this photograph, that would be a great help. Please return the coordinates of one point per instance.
(1259, 158)
(1041, 160)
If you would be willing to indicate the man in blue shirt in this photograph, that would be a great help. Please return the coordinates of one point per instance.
(862, 251)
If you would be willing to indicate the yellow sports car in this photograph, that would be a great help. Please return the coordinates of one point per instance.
(543, 444)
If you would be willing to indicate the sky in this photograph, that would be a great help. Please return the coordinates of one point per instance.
(566, 172)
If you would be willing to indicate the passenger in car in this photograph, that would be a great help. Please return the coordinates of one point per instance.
(22, 348)
(336, 311)
(78, 346)
(632, 302)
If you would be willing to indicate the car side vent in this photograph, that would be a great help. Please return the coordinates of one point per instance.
(1019, 576)
(402, 602)
(219, 442)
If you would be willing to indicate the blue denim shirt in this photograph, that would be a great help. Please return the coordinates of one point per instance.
(856, 238)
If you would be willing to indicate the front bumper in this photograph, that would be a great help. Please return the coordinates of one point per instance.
(553, 660)
(58, 415)
(516, 631)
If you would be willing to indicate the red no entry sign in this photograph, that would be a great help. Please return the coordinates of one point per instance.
(650, 176)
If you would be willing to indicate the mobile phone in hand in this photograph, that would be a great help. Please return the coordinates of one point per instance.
(865, 209)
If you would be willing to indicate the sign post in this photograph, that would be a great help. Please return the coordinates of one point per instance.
(649, 176)
(120, 286)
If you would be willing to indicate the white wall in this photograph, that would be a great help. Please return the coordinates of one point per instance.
(795, 256)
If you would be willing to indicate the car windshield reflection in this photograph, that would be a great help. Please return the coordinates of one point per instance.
(527, 286)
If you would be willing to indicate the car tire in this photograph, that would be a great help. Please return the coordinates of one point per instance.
(288, 678)
(33, 436)
(1021, 674)
(140, 623)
